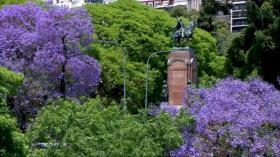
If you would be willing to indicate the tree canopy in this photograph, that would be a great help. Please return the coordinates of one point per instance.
(233, 118)
(13, 143)
(89, 129)
(256, 50)
(142, 30)
(54, 89)
(10, 2)
(209, 10)
(44, 45)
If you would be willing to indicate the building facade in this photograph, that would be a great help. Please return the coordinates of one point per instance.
(76, 3)
(68, 3)
(190, 4)
(194, 4)
(167, 4)
(238, 15)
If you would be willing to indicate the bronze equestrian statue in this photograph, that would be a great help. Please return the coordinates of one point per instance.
(182, 31)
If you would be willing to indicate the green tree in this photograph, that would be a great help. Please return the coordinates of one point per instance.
(10, 80)
(92, 130)
(209, 10)
(141, 30)
(111, 87)
(256, 50)
(182, 11)
(10, 2)
(13, 143)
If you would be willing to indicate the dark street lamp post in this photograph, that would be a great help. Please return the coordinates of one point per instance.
(147, 75)
(124, 66)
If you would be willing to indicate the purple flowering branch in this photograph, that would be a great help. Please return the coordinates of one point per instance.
(44, 45)
(233, 118)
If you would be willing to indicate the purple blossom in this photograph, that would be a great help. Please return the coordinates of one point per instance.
(276, 147)
(233, 118)
(171, 109)
(44, 44)
(153, 110)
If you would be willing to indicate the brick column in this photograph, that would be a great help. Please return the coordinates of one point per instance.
(182, 70)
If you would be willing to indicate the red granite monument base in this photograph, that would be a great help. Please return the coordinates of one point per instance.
(182, 71)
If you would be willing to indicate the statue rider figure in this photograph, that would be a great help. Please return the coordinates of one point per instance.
(183, 32)
(180, 27)
(191, 29)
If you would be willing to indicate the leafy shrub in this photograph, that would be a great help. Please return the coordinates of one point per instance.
(13, 143)
(93, 130)
(10, 80)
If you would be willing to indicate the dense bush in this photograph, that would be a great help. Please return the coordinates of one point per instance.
(13, 143)
(10, 2)
(234, 118)
(9, 83)
(90, 129)
(10, 80)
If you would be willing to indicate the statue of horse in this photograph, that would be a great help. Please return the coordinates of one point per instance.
(185, 32)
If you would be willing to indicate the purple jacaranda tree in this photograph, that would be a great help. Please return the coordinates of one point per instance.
(234, 118)
(45, 45)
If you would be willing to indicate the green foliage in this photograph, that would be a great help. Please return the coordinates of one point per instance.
(3, 97)
(141, 30)
(13, 143)
(112, 77)
(256, 50)
(93, 130)
(209, 62)
(223, 36)
(178, 11)
(138, 28)
(208, 81)
(210, 9)
(185, 120)
(181, 11)
(10, 80)
(10, 2)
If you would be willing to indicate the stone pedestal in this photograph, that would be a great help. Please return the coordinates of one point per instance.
(182, 72)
